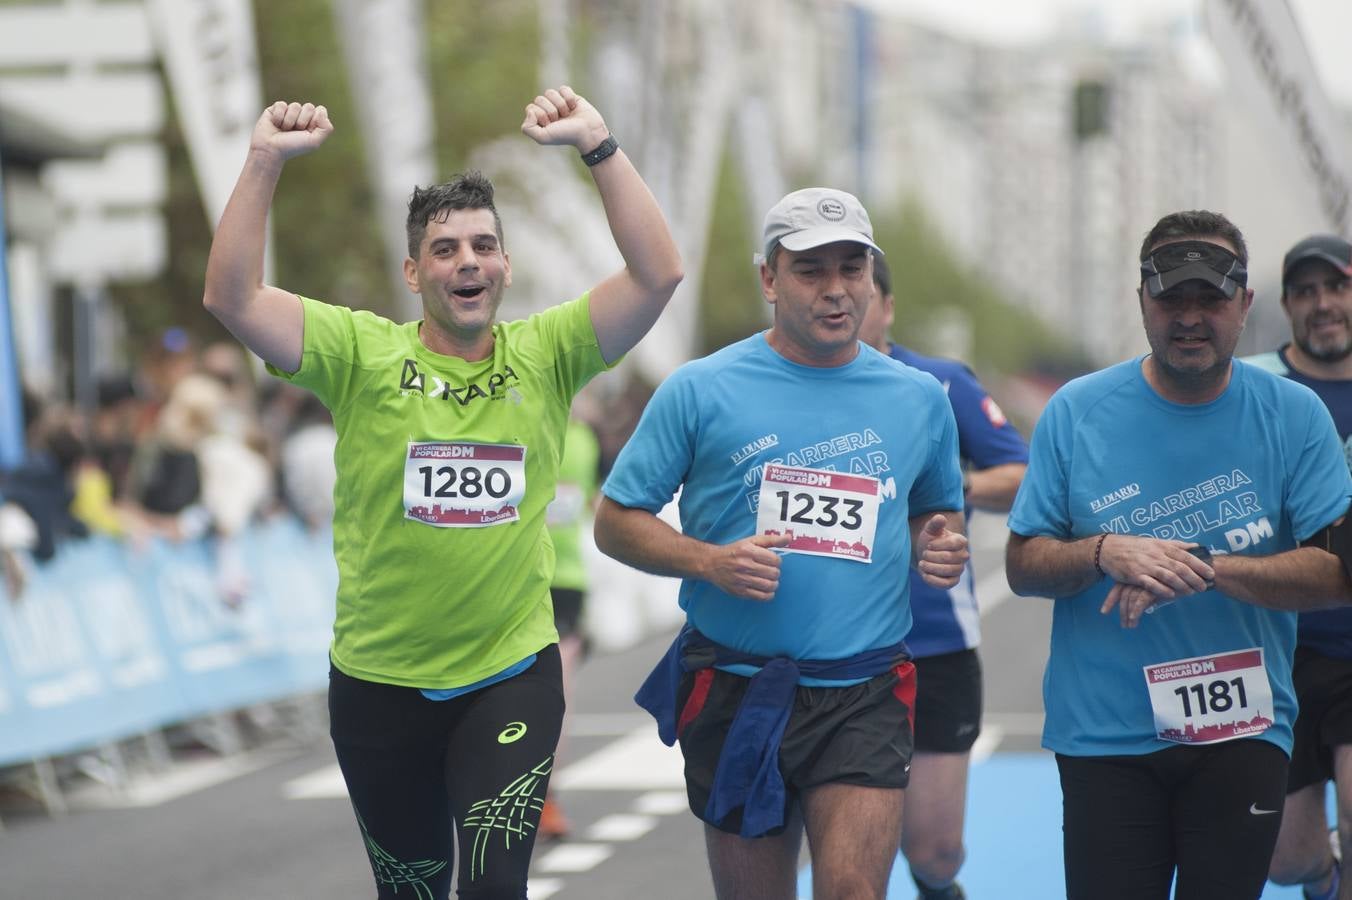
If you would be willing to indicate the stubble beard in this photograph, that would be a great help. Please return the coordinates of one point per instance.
(1334, 353)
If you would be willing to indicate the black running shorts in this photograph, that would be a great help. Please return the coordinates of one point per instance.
(947, 702)
(1324, 690)
(859, 734)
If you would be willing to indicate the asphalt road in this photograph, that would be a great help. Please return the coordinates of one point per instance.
(274, 822)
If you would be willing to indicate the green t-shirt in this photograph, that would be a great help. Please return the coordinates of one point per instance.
(572, 503)
(445, 468)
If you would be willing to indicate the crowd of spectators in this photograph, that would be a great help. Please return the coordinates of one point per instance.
(193, 443)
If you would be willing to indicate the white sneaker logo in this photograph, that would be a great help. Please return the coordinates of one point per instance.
(1255, 811)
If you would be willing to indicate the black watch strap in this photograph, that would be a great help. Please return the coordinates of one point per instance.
(1203, 553)
(604, 150)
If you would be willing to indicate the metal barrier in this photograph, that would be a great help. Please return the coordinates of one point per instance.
(110, 641)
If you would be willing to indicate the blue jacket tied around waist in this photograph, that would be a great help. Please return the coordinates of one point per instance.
(748, 767)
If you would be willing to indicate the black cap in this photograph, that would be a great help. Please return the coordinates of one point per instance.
(1181, 261)
(1328, 247)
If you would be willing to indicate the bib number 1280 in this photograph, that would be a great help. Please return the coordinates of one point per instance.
(459, 484)
(473, 481)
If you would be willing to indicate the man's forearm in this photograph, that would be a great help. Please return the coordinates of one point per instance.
(640, 539)
(1049, 567)
(235, 266)
(637, 225)
(1304, 578)
(993, 489)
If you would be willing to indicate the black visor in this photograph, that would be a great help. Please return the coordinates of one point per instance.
(1182, 261)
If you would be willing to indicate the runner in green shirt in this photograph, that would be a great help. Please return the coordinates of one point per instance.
(574, 499)
(445, 692)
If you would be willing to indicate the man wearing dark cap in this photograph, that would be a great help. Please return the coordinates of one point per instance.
(1317, 299)
(1187, 485)
(813, 471)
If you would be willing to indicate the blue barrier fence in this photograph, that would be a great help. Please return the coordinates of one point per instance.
(109, 641)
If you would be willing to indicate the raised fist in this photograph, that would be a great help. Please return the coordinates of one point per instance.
(290, 129)
(562, 117)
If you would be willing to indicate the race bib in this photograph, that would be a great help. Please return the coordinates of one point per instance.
(826, 513)
(1209, 699)
(463, 485)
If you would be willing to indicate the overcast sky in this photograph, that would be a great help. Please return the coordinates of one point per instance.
(1326, 24)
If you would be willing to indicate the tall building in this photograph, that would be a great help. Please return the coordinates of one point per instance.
(1043, 166)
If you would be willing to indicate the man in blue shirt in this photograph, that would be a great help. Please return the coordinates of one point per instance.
(1317, 299)
(947, 626)
(1196, 488)
(813, 471)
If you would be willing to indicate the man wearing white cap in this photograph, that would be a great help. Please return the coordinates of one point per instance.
(813, 470)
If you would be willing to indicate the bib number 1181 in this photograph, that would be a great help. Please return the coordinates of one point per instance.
(1214, 696)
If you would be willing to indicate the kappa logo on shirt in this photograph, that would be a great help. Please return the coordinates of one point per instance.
(495, 387)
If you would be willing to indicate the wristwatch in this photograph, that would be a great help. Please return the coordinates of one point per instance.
(604, 150)
(1204, 554)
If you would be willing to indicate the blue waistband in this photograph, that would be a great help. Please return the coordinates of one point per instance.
(748, 768)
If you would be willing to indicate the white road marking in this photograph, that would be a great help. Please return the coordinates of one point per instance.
(320, 784)
(987, 742)
(540, 888)
(662, 803)
(636, 762)
(574, 858)
(621, 827)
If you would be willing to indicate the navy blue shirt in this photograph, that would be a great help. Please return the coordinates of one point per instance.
(1326, 631)
(947, 621)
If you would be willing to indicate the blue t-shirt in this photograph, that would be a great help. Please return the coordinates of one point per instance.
(1253, 471)
(717, 422)
(1326, 631)
(947, 621)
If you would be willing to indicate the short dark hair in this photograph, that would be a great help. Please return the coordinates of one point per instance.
(773, 259)
(469, 190)
(1195, 223)
(882, 275)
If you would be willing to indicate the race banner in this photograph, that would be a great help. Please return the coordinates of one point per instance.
(382, 41)
(211, 61)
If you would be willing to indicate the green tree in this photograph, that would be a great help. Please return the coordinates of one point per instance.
(325, 237)
(483, 73)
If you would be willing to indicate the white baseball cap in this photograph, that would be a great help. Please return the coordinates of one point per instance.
(816, 216)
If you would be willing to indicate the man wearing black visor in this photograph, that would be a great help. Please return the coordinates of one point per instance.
(1184, 485)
